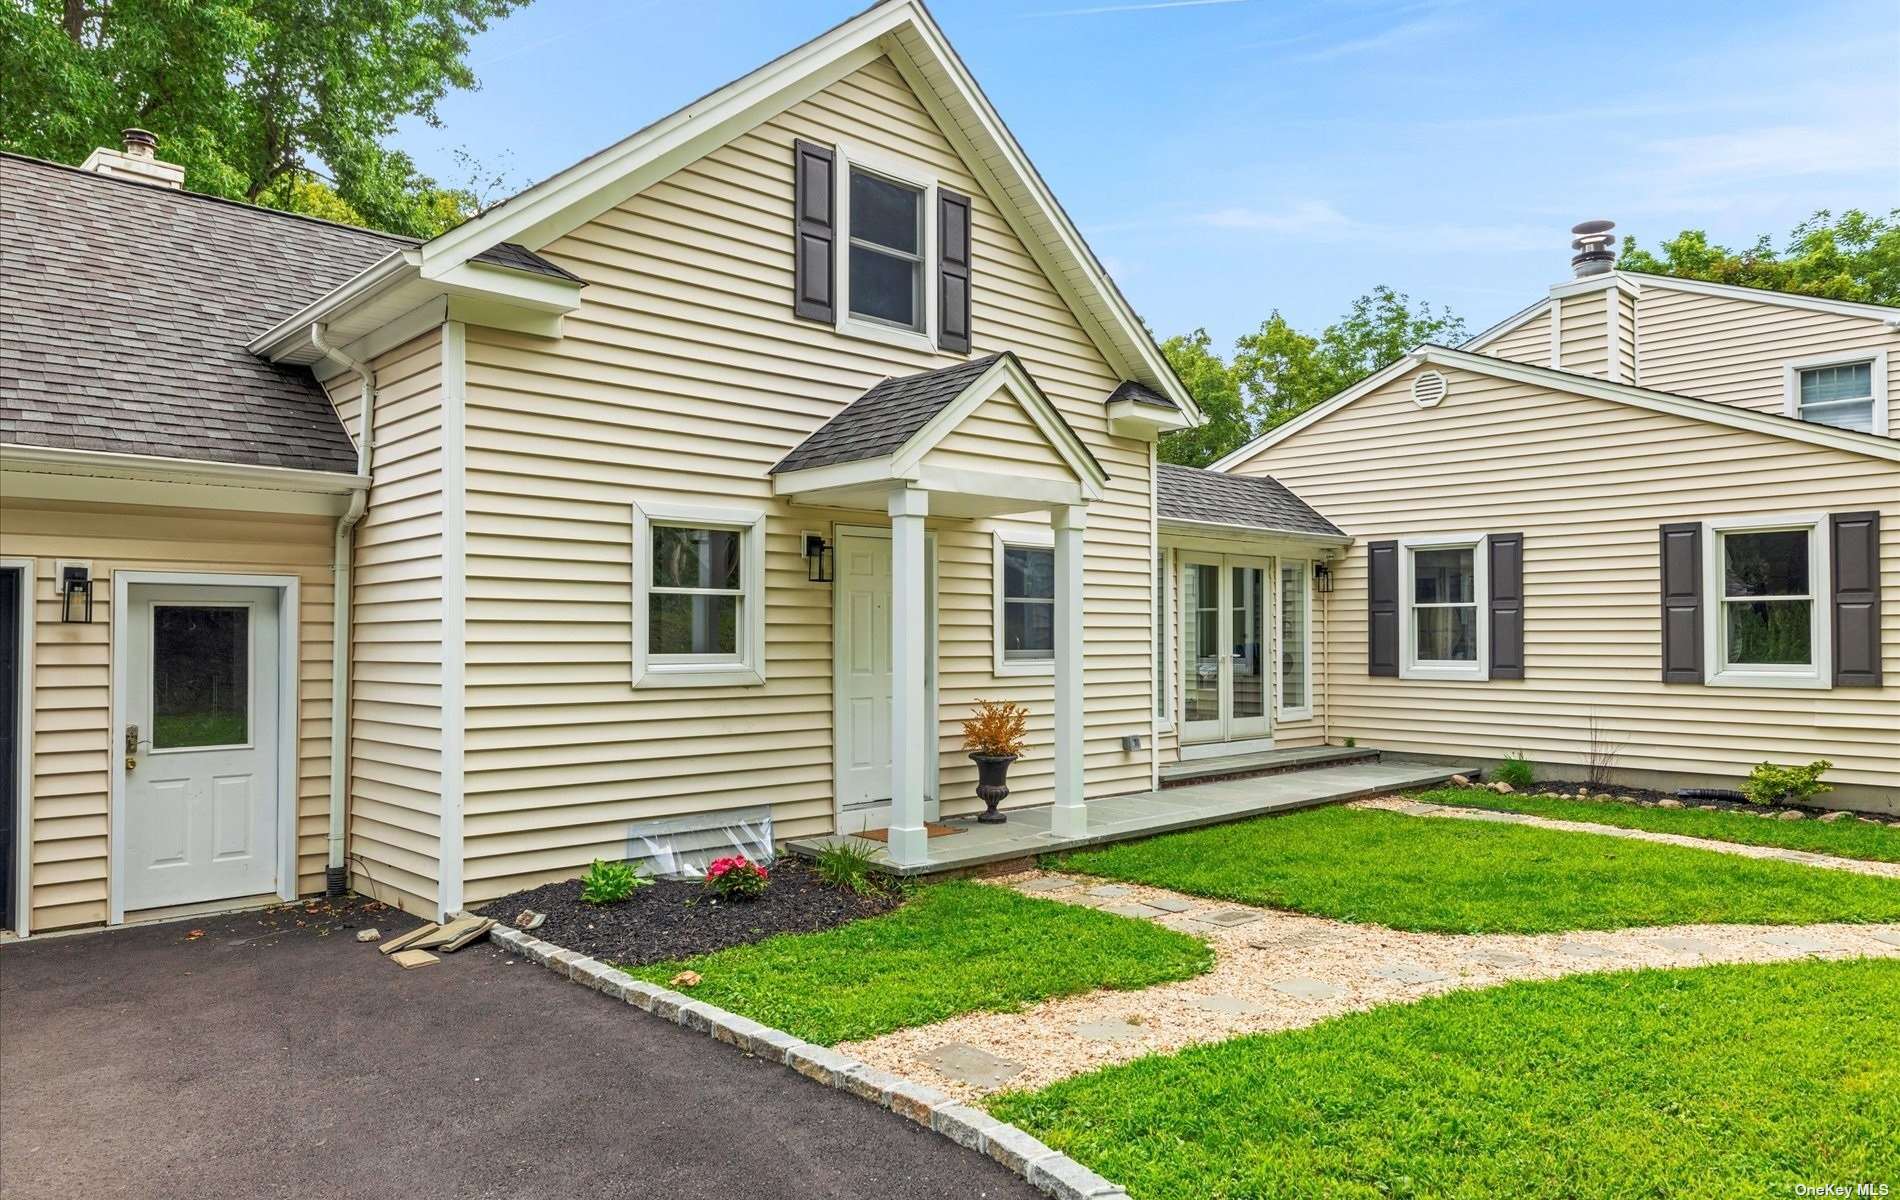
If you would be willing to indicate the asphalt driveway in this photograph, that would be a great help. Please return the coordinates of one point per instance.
(271, 1055)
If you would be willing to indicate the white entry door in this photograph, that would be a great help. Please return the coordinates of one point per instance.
(861, 641)
(1224, 663)
(201, 789)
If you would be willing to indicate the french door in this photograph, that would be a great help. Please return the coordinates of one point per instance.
(1226, 692)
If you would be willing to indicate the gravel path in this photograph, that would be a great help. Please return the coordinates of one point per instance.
(1806, 858)
(1277, 970)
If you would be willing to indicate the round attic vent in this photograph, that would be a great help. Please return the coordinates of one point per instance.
(1428, 389)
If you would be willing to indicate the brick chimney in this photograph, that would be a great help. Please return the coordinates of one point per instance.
(138, 160)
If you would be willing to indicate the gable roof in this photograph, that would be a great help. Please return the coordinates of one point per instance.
(1203, 497)
(904, 32)
(1693, 407)
(885, 417)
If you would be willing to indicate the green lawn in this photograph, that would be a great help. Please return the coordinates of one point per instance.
(1470, 877)
(1848, 838)
(952, 948)
(1716, 1081)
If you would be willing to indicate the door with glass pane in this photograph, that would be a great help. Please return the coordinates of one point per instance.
(1225, 664)
(200, 743)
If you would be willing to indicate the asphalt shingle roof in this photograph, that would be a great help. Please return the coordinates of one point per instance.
(1141, 394)
(884, 418)
(1248, 501)
(125, 309)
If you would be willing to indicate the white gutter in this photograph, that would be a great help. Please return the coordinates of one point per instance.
(108, 464)
(341, 602)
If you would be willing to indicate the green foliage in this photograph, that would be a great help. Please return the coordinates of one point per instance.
(1480, 877)
(1515, 771)
(610, 882)
(849, 864)
(1770, 784)
(1852, 838)
(255, 98)
(953, 948)
(1278, 372)
(1595, 1087)
(736, 877)
(1853, 257)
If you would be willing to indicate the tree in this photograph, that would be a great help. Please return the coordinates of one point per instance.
(278, 102)
(1854, 257)
(1278, 372)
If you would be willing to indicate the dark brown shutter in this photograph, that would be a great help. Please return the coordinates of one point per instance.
(1382, 608)
(1854, 592)
(1506, 573)
(1682, 603)
(953, 272)
(816, 207)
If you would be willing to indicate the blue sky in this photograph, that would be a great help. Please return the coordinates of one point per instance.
(1229, 157)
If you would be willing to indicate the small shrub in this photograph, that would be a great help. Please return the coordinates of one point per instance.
(736, 877)
(847, 864)
(1351, 742)
(997, 728)
(610, 882)
(1770, 784)
(1515, 771)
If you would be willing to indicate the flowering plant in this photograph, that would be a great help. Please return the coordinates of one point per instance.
(996, 728)
(736, 876)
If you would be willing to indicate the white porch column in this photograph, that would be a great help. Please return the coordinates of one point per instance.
(911, 740)
(1070, 816)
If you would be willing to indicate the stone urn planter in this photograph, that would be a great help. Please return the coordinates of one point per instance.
(992, 775)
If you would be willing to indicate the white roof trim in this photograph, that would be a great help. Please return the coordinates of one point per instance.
(111, 464)
(1523, 315)
(1008, 372)
(1711, 411)
(905, 32)
(1848, 308)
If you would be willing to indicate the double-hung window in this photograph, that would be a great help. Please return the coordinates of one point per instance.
(1769, 627)
(1025, 605)
(887, 248)
(1442, 631)
(698, 608)
(1848, 392)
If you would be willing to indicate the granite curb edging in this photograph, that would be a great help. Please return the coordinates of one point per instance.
(1049, 1171)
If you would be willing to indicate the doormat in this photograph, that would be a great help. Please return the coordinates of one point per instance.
(931, 829)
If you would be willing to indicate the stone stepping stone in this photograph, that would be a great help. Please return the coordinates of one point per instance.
(1311, 989)
(1108, 1031)
(1584, 950)
(1414, 809)
(1294, 939)
(1049, 883)
(1108, 891)
(1227, 918)
(1410, 973)
(1131, 910)
(1501, 959)
(1889, 936)
(1688, 945)
(968, 1064)
(1169, 904)
(1807, 943)
(1232, 1006)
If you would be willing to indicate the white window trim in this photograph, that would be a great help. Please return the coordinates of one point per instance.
(1409, 666)
(1040, 539)
(1817, 674)
(748, 668)
(877, 162)
(1164, 638)
(1791, 383)
(1302, 712)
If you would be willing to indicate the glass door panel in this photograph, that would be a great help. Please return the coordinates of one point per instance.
(1247, 643)
(1202, 714)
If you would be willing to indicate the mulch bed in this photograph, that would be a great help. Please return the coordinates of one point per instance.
(674, 919)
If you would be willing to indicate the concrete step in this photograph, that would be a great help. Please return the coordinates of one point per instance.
(1262, 762)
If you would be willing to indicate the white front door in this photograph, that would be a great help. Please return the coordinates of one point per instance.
(861, 640)
(1224, 649)
(201, 788)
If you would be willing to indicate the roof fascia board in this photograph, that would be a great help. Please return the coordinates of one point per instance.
(106, 464)
(839, 475)
(1132, 418)
(1522, 316)
(1849, 308)
(1184, 525)
(1319, 412)
(1596, 283)
(386, 272)
(542, 292)
(1043, 414)
(411, 325)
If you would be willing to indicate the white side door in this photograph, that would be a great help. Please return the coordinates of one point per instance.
(861, 606)
(201, 789)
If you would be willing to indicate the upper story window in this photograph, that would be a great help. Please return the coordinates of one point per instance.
(1847, 391)
(886, 252)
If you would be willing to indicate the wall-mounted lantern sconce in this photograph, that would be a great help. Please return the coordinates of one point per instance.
(1322, 577)
(75, 594)
(818, 563)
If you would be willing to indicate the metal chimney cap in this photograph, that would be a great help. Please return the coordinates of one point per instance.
(1595, 246)
(139, 143)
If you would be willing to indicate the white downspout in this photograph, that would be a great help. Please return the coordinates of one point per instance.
(336, 874)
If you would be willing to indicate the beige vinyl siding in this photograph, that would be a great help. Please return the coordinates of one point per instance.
(1588, 482)
(72, 675)
(1734, 350)
(396, 634)
(1583, 331)
(1528, 343)
(1000, 435)
(683, 377)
